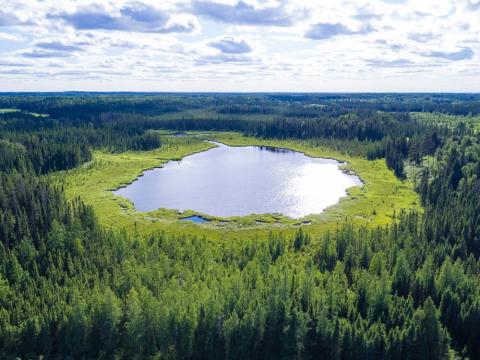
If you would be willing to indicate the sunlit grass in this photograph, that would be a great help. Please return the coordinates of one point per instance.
(381, 196)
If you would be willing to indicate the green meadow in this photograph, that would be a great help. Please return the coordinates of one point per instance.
(377, 202)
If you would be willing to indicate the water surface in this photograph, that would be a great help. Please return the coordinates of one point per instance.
(236, 181)
(195, 218)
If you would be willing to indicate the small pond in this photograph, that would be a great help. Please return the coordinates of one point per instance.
(195, 218)
(237, 181)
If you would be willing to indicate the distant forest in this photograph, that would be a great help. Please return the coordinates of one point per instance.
(70, 288)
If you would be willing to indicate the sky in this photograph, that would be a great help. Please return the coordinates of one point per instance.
(240, 45)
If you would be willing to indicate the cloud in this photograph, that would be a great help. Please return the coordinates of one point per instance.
(230, 45)
(7, 19)
(463, 54)
(52, 49)
(245, 14)
(40, 54)
(11, 37)
(464, 26)
(322, 31)
(389, 45)
(422, 37)
(263, 44)
(15, 72)
(223, 58)
(366, 14)
(133, 17)
(13, 64)
(389, 63)
(57, 46)
(473, 5)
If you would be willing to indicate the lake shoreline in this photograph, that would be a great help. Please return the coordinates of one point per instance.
(381, 190)
(267, 169)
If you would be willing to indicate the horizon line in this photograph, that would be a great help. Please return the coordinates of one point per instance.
(3, 93)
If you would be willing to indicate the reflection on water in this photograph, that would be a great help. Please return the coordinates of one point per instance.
(273, 149)
(237, 181)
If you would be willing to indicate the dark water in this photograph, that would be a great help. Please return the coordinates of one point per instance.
(236, 181)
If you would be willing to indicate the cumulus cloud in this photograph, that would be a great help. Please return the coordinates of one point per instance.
(230, 45)
(10, 37)
(133, 17)
(462, 54)
(15, 72)
(322, 31)
(40, 54)
(13, 64)
(54, 48)
(9, 19)
(473, 5)
(57, 46)
(389, 45)
(389, 63)
(243, 13)
(225, 58)
(422, 37)
(366, 14)
(208, 40)
(225, 50)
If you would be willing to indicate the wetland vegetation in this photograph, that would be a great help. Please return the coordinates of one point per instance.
(231, 181)
(390, 271)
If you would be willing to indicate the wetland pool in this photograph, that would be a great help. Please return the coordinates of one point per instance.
(228, 181)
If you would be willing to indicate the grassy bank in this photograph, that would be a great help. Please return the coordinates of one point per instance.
(375, 203)
(381, 196)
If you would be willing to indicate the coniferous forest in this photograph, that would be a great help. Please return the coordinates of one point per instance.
(73, 288)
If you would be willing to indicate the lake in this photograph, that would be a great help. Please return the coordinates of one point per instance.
(237, 181)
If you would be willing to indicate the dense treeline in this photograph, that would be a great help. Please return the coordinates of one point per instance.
(85, 124)
(41, 156)
(363, 118)
(69, 288)
(51, 145)
(454, 194)
(397, 137)
(86, 104)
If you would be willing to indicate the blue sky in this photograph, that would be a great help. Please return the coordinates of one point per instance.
(240, 45)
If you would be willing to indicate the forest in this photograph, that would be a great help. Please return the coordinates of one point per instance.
(71, 287)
